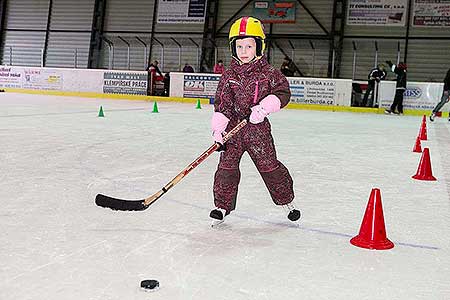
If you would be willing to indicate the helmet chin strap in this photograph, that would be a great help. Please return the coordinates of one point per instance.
(241, 62)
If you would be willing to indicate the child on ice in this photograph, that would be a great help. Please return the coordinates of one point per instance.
(250, 88)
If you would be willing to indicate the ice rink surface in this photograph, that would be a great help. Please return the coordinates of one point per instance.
(56, 155)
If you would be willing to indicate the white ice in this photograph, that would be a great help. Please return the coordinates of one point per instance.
(56, 155)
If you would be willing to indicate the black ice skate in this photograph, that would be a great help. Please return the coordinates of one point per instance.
(432, 117)
(388, 111)
(294, 214)
(218, 216)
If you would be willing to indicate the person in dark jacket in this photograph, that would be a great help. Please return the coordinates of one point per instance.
(188, 68)
(375, 75)
(287, 67)
(444, 98)
(400, 87)
(249, 89)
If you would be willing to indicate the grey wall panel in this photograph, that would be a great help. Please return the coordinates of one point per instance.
(427, 63)
(130, 15)
(136, 15)
(312, 62)
(365, 56)
(393, 31)
(170, 63)
(227, 9)
(223, 52)
(72, 15)
(322, 10)
(189, 55)
(137, 56)
(26, 47)
(304, 23)
(62, 47)
(171, 50)
(179, 28)
(134, 18)
(427, 32)
(27, 14)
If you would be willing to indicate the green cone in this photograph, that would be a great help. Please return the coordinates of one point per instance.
(100, 112)
(155, 107)
(199, 106)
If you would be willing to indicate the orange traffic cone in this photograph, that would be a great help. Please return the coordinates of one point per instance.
(423, 131)
(417, 147)
(372, 234)
(424, 171)
(424, 120)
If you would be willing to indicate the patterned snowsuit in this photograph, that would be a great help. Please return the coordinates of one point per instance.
(240, 88)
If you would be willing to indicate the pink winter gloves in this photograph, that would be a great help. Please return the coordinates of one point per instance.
(268, 105)
(219, 123)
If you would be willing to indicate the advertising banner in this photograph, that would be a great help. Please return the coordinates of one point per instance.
(431, 13)
(274, 11)
(201, 86)
(181, 11)
(42, 79)
(125, 83)
(418, 95)
(377, 12)
(10, 77)
(315, 91)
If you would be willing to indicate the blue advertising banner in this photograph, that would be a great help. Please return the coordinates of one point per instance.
(201, 86)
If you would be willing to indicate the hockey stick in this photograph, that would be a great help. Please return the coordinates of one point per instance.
(136, 205)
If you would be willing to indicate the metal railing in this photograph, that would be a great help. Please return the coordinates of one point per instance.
(77, 58)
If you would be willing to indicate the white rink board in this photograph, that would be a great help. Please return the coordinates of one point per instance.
(418, 95)
(321, 91)
(72, 80)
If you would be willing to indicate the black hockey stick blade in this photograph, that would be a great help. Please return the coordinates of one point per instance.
(136, 205)
(120, 204)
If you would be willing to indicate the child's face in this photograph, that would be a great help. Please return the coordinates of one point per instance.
(246, 49)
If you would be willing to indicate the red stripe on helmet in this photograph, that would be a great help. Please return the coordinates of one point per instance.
(243, 26)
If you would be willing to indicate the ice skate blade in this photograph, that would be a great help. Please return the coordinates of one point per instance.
(215, 223)
(150, 290)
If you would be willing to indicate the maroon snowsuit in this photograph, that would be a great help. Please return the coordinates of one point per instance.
(234, 97)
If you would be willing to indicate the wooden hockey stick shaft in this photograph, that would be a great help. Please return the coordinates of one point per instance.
(136, 205)
(193, 165)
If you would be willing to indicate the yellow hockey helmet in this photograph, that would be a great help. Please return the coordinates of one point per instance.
(248, 27)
